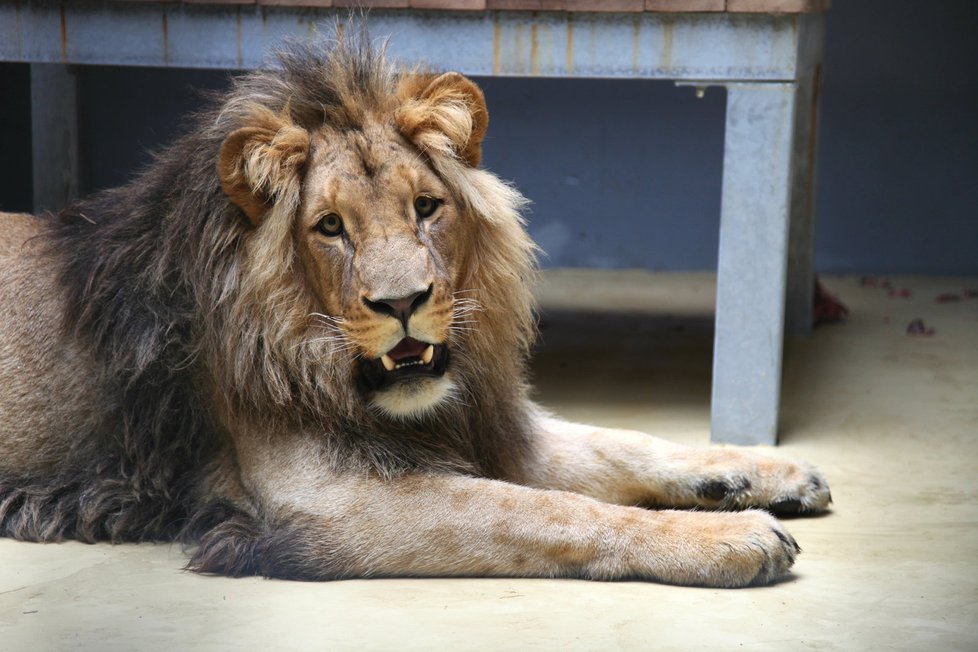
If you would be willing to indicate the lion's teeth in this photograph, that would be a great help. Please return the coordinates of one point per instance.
(388, 361)
(428, 354)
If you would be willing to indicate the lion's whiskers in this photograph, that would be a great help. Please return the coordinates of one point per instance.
(461, 330)
(329, 319)
(340, 344)
(462, 310)
(333, 336)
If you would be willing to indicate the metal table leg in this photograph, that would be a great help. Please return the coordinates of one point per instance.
(801, 237)
(54, 135)
(751, 269)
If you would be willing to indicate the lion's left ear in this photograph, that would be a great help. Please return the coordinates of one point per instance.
(259, 161)
(445, 113)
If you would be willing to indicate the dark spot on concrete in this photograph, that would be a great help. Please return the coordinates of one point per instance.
(918, 328)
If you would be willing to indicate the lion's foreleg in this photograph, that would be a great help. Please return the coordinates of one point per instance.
(632, 468)
(448, 525)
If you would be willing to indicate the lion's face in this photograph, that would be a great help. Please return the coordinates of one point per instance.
(378, 234)
(385, 251)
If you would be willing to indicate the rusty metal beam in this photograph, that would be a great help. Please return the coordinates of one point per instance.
(524, 44)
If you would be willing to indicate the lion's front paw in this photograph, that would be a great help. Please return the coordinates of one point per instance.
(788, 488)
(726, 549)
(766, 550)
(802, 489)
(775, 485)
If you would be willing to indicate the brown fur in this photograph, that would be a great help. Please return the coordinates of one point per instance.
(195, 356)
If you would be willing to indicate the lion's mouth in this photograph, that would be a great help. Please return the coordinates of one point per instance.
(409, 352)
(409, 359)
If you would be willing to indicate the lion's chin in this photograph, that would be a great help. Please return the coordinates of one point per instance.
(414, 398)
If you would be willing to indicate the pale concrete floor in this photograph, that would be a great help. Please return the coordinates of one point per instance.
(891, 419)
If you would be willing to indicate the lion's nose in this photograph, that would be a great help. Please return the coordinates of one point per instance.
(400, 308)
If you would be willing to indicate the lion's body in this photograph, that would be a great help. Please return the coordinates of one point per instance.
(298, 341)
(67, 468)
(45, 375)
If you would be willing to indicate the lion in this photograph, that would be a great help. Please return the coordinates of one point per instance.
(297, 342)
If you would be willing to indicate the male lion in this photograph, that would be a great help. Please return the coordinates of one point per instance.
(298, 341)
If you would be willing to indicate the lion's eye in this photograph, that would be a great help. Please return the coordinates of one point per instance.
(331, 225)
(424, 206)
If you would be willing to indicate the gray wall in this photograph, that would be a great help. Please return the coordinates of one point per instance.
(627, 174)
(621, 173)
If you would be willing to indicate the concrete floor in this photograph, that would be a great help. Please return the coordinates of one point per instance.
(891, 419)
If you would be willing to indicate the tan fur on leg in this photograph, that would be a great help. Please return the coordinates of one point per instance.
(632, 468)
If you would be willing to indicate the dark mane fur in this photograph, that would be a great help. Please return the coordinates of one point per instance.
(150, 278)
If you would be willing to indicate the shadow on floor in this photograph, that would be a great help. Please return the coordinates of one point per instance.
(638, 356)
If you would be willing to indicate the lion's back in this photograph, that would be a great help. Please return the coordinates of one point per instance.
(48, 386)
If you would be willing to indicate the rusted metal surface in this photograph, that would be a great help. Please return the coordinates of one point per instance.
(526, 44)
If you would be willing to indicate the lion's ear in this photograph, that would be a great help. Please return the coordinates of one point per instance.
(445, 114)
(259, 161)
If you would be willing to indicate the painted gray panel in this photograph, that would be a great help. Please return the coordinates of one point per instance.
(549, 44)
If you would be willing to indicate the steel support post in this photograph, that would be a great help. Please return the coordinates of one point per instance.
(801, 237)
(751, 270)
(54, 135)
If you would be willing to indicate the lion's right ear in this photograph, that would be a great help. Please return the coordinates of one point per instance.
(259, 161)
(443, 113)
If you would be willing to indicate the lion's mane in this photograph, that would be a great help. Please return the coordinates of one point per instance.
(181, 310)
